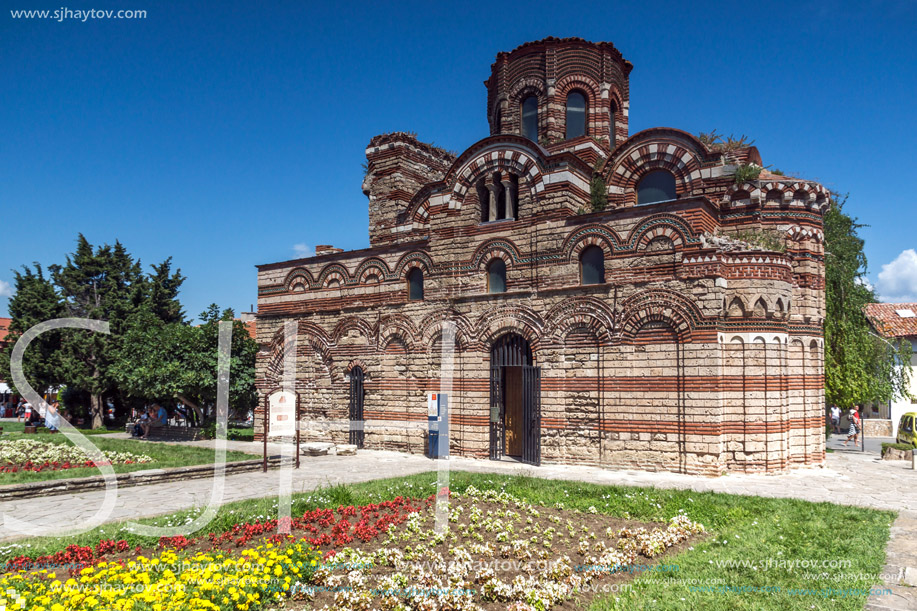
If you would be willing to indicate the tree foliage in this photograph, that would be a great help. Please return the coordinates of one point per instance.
(860, 366)
(165, 362)
(152, 352)
(34, 301)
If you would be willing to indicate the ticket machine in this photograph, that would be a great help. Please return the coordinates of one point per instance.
(438, 420)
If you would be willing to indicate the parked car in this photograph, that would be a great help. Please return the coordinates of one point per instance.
(906, 429)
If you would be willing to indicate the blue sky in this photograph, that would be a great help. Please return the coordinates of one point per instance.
(227, 134)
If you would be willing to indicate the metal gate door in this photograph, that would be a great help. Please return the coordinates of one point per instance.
(496, 413)
(356, 406)
(531, 415)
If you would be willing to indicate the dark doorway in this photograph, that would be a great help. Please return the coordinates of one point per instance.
(515, 401)
(356, 406)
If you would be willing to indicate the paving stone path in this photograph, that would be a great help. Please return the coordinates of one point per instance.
(849, 477)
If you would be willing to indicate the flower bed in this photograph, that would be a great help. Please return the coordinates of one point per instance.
(499, 552)
(33, 455)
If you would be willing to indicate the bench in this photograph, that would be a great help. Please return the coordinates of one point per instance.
(171, 433)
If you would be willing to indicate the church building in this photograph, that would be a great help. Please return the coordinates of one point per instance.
(642, 301)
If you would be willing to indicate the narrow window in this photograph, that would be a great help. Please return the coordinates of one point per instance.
(592, 266)
(484, 199)
(496, 276)
(657, 186)
(530, 118)
(415, 285)
(576, 115)
(612, 123)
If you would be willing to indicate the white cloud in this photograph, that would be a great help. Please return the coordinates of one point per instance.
(864, 281)
(303, 250)
(5, 289)
(898, 279)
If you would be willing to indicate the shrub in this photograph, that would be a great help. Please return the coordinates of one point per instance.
(747, 173)
(904, 447)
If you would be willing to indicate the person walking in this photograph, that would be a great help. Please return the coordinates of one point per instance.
(854, 431)
(836, 419)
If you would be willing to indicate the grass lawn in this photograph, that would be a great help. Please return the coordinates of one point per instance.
(752, 544)
(164, 455)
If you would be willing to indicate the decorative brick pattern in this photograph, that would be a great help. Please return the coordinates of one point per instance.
(696, 354)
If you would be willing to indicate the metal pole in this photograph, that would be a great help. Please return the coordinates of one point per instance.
(862, 433)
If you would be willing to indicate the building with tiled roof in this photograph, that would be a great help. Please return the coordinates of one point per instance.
(897, 322)
(644, 300)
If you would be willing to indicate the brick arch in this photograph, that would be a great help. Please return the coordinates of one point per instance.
(656, 149)
(501, 248)
(348, 324)
(334, 275)
(432, 325)
(373, 263)
(592, 91)
(315, 337)
(356, 363)
(755, 193)
(298, 274)
(395, 337)
(586, 83)
(528, 86)
(333, 270)
(658, 305)
(416, 258)
(800, 234)
(591, 235)
(523, 161)
(669, 225)
(578, 312)
(504, 318)
(396, 324)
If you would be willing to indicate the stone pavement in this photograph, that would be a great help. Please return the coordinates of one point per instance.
(850, 478)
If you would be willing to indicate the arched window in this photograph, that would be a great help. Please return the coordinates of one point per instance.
(592, 266)
(484, 198)
(415, 285)
(530, 118)
(657, 186)
(576, 115)
(498, 119)
(496, 276)
(612, 122)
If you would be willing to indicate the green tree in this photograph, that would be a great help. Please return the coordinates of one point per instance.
(106, 283)
(860, 367)
(34, 301)
(598, 192)
(165, 362)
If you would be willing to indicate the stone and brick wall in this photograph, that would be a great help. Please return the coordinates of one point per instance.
(701, 352)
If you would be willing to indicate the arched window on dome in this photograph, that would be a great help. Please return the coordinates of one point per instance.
(656, 186)
(592, 265)
(530, 118)
(612, 123)
(496, 276)
(415, 285)
(576, 115)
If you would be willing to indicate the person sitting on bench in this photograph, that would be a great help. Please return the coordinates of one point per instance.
(158, 417)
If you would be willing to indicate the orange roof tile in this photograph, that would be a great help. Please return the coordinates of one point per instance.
(888, 322)
(4, 327)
